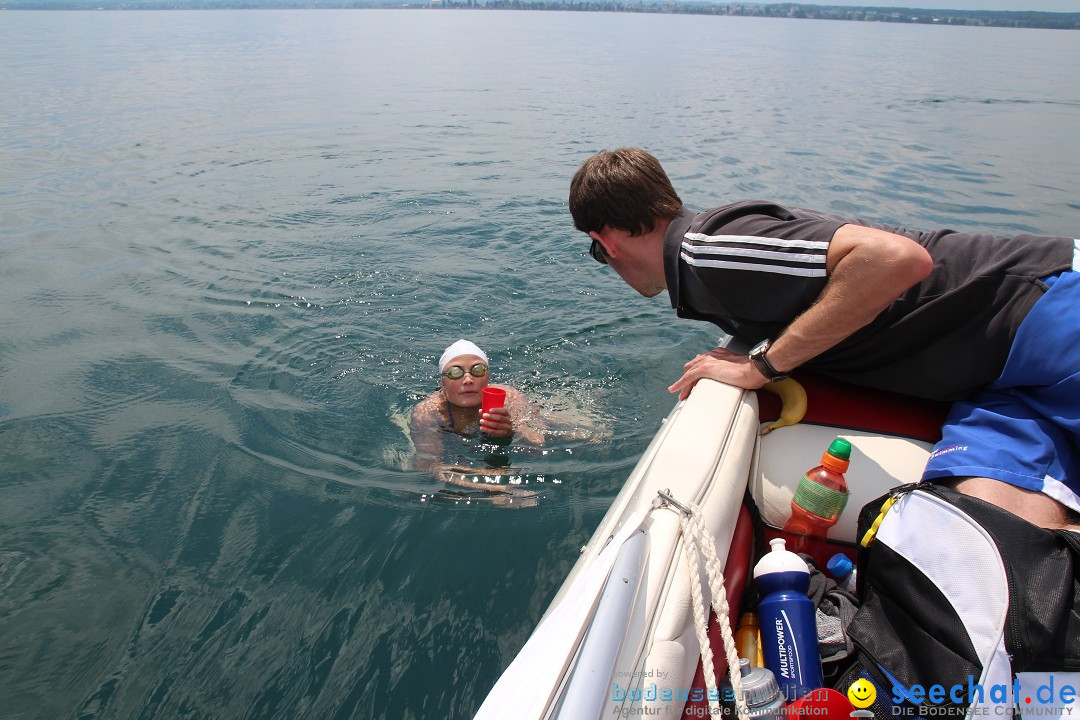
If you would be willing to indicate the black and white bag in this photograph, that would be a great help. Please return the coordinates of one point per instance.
(958, 593)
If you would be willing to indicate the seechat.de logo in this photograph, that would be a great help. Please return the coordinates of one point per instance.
(862, 694)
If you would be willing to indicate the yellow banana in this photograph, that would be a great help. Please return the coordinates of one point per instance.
(792, 403)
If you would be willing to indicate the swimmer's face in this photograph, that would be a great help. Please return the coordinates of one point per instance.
(465, 392)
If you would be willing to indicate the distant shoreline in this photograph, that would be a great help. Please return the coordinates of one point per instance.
(976, 18)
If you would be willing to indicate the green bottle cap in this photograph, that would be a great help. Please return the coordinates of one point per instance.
(840, 449)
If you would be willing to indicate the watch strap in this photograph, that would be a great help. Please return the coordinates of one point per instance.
(757, 356)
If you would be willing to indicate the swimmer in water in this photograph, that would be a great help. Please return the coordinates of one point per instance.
(455, 408)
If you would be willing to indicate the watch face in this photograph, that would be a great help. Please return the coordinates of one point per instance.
(757, 356)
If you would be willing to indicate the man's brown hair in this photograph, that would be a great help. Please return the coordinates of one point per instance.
(625, 188)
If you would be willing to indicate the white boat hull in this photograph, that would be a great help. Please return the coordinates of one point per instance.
(638, 654)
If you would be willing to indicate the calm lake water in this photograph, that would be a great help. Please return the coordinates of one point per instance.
(234, 243)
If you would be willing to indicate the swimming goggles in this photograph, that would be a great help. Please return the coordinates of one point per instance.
(597, 252)
(456, 372)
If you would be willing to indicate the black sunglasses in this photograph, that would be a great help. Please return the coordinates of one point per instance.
(597, 252)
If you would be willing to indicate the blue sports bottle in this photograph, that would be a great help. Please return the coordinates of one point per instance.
(789, 641)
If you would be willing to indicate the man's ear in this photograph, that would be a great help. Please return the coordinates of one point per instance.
(604, 237)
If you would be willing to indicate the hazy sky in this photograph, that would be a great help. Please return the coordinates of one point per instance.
(1040, 5)
(1044, 5)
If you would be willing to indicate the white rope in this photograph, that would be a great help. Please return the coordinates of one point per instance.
(697, 539)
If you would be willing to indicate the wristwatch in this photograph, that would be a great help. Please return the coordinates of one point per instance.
(757, 356)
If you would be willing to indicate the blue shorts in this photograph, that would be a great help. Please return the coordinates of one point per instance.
(1024, 428)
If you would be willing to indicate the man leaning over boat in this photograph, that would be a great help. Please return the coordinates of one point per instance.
(990, 323)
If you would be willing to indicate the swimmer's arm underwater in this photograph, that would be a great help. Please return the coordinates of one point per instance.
(427, 438)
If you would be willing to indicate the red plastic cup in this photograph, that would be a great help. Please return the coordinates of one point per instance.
(493, 397)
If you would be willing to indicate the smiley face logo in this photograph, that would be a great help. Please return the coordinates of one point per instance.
(862, 693)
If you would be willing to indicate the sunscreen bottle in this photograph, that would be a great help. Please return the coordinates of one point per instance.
(747, 639)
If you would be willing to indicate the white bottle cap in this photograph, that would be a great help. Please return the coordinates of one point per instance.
(779, 559)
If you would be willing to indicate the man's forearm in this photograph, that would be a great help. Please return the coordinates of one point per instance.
(872, 269)
(868, 270)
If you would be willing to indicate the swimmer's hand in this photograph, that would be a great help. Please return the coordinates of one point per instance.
(508, 497)
(497, 423)
(456, 474)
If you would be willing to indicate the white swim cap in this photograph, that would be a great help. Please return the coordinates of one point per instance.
(461, 347)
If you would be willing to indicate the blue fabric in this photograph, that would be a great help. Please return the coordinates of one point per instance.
(1024, 428)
